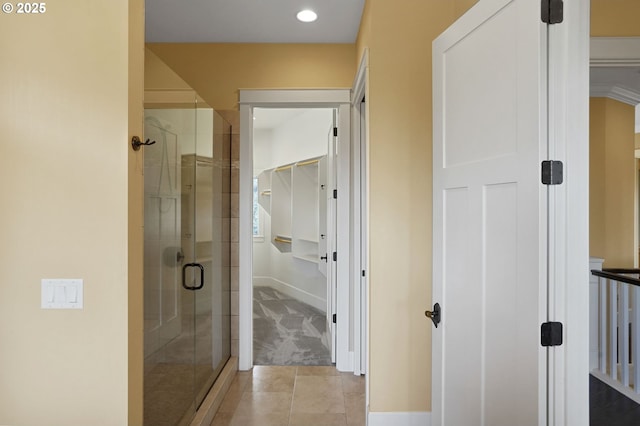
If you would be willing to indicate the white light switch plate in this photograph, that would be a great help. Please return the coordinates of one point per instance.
(60, 293)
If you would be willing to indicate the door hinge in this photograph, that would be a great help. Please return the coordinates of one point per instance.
(335, 194)
(334, 319)
(335, 131)
(335, 256)
(552, 173)
(552, 11)
(551, 334)
(363, 274)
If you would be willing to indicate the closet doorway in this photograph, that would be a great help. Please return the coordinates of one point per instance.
(294, 236)
(344, 322)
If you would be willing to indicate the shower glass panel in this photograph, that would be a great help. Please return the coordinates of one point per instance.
(187, 242)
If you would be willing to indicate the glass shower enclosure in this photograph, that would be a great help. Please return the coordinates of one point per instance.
(187, 185)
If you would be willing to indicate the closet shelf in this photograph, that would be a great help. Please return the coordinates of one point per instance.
(309, 240)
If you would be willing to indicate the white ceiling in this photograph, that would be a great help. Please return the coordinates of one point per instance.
(251, 21)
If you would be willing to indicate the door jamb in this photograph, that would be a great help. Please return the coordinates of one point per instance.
(569, 253)
(360, 295)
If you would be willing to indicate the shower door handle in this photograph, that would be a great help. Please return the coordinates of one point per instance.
(184, 273)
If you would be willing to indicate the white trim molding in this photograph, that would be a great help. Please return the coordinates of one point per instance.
(292, 291)
(413, 418)
(359, 217)
(615, 92)
(303, 98)
(615, 51)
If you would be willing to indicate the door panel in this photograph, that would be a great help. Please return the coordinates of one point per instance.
(323, 193)
(212, 248)
(162, 237)
(490, 217)
(501, 272)
(460, 389)
(467, 96)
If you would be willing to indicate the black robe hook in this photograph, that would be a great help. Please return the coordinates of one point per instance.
(136, 143)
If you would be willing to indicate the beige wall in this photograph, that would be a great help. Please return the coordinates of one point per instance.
(612, 182)
(399, 35)
(218, 71)
(136, 214)
(158, 76)
(615, 18)
(64, 164)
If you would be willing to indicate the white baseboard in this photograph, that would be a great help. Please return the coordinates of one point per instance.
(413, 418)
(346, 364)
(292, 291)
(262, 281)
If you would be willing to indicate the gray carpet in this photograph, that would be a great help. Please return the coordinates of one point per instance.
(287, 331)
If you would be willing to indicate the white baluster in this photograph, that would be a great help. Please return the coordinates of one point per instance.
(602, 350)
(624, 332)
(613, 329)
(595, 263)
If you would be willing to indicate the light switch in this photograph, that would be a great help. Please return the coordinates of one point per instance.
(72, 293)
(61, 294)
(49, 293)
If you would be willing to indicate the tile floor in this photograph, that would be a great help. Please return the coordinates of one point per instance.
(293, 396)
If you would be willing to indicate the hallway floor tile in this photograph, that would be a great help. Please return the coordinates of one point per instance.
(293, 396)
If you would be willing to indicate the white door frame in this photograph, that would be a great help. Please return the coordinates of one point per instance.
(294, 98)
(569, 223)
(360, 254)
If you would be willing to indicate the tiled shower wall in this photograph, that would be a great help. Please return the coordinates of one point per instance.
(233, 117)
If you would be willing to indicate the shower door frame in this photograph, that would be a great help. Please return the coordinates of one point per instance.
(190, 302)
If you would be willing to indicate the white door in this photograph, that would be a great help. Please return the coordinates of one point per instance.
(323, 220)
(490, 212)
(332, 270)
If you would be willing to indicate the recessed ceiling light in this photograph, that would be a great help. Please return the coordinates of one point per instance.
(307, 16)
